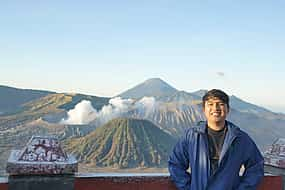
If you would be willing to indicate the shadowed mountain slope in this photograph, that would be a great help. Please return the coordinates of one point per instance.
(12, 98)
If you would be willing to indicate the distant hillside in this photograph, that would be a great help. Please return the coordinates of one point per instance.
(97, 102)
(12, 98)
(50, 107)
(264, 131)
(34, 110)
(124, 143)
(154, 87)
(247, 107)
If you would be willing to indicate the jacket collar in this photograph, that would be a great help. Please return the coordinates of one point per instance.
(233, 130)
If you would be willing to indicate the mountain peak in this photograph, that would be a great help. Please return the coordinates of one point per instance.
(154, 87)
(154, 80)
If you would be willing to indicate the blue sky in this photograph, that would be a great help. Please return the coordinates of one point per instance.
(105, 47)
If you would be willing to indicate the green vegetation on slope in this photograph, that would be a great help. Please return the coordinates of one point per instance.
(123, 143)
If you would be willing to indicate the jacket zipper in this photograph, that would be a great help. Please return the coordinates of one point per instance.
(223, 155)
(220, 160)
(207, 154)
(225, 152)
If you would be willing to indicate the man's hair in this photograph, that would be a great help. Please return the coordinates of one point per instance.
(216, 93)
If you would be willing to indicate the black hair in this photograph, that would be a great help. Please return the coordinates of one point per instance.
(216, 93)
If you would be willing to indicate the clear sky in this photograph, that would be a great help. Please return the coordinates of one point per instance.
(105, 47)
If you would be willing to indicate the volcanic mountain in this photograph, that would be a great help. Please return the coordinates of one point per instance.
(154, 87)
(124, 143)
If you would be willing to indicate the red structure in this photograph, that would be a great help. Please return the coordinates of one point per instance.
(142, 183)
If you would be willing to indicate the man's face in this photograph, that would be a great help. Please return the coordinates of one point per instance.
(215, 110)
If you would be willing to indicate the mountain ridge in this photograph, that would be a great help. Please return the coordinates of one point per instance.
(12, 98)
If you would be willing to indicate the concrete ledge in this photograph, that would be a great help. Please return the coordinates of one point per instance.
(3, 183)
(3, 180)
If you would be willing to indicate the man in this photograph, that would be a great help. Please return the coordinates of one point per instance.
(214, 151)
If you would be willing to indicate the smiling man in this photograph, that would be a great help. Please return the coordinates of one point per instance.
(215, 151)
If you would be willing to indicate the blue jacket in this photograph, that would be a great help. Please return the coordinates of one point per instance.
(192, 151)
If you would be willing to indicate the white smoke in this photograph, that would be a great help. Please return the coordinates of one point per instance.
(84, 113)
(116, 107)
(145, 106)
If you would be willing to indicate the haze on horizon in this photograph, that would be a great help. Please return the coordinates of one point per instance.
(104, 48)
